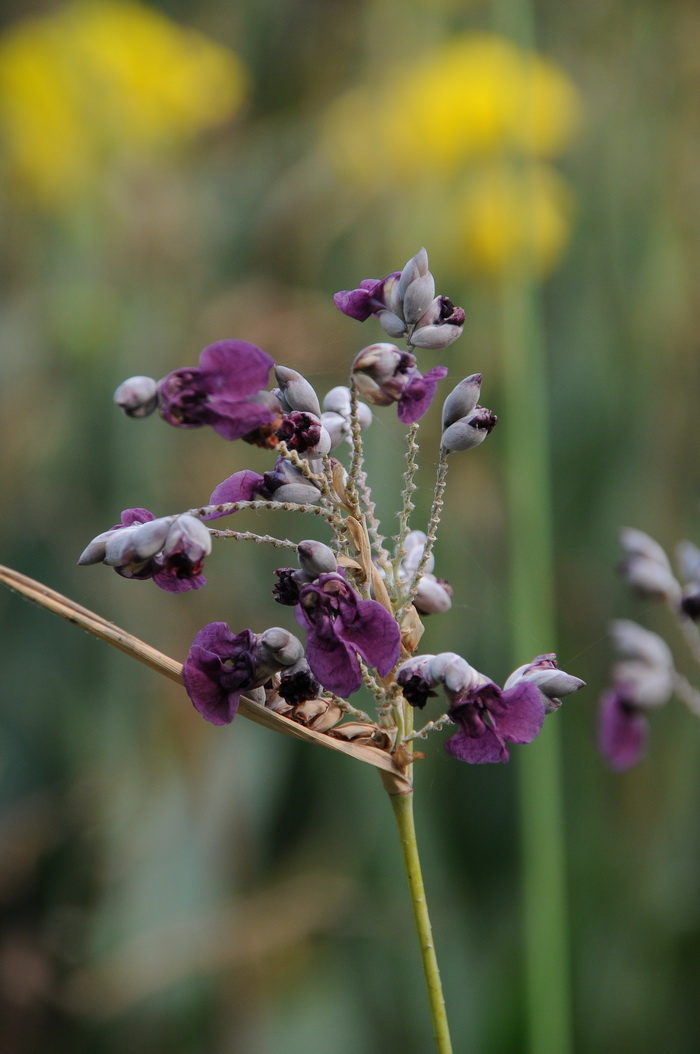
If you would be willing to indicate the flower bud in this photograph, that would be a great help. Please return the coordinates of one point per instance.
(274, 648)
(469, 431)
(463, 398)
(297, 391)
(646, 568)
(645, 674)
(94, 553)
(392, 324)
(379, 373)
(316, 559)
(416, 287)
(297, 493)
(130, 545)
(336, 427)
(432, 596)
(439, 326)
(551, 681)
(189, 537)
(337, 400)
(138, 396)
(414, 547)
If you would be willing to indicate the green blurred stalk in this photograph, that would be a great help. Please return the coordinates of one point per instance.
(402, 804)
(528, 483)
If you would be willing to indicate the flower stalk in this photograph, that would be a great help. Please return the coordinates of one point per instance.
(402, 805)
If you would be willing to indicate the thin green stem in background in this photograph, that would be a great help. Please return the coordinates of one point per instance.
(527, 437)
(532, 630)
(402, 805)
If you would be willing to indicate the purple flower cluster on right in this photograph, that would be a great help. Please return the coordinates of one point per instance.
(644, 678)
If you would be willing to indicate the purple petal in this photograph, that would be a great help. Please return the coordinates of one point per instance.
(357, 303)
(623, 731)
(375, 634)
(237, 366)
(485, 749)
(233, 419)
(518, 713)
(131, 516)
(218, 668)
(173, 583)
(241, 486)
(201, 672)
(333, 663)
(418, 395)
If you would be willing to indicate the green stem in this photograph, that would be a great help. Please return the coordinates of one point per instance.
(532, 614)
(402, 805)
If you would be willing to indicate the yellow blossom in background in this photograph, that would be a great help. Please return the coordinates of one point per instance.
(96, 82)
(437, 123)
(505, 216)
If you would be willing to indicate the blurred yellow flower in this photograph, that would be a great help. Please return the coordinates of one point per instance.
(508, 217)
(104, 79)
(475, 101)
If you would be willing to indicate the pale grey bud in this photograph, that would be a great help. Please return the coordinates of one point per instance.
(297, 493)
(337, 400)
(469, 431)
(391, 324)
(276, 648)
(462, 400)
(94, 553)
(316, 559)
(432, 596)
(297, 391)
(137, 396)
(188, 535)
(645, 674)
(135, 544)
(646, 568)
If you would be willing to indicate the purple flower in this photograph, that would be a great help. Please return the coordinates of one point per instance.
(221, 665)
(170, 550)
(385, 375)
(623, 730)
(373, 297)
(284, 483)
(342, 627)
(224, 391)
(642, 680)
(406, 305)
(488, 718)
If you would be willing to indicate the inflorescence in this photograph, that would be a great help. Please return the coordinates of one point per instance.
(359, 603)
(645, 677)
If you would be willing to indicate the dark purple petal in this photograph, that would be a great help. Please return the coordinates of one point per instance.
(357, 303)
(375, 634)
(131, 516)
(236, 366)
(233, 419)
(172, 582)
(623, 731)
(219, 667)
(241, 486)
(418, 395)
(221, 392)
(518, 713)
(485, 749)
(333, 663)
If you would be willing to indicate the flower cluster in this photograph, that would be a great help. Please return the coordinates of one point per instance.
(645, 677)
(358, 602)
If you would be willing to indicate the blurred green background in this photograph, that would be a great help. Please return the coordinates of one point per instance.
(182, 172)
